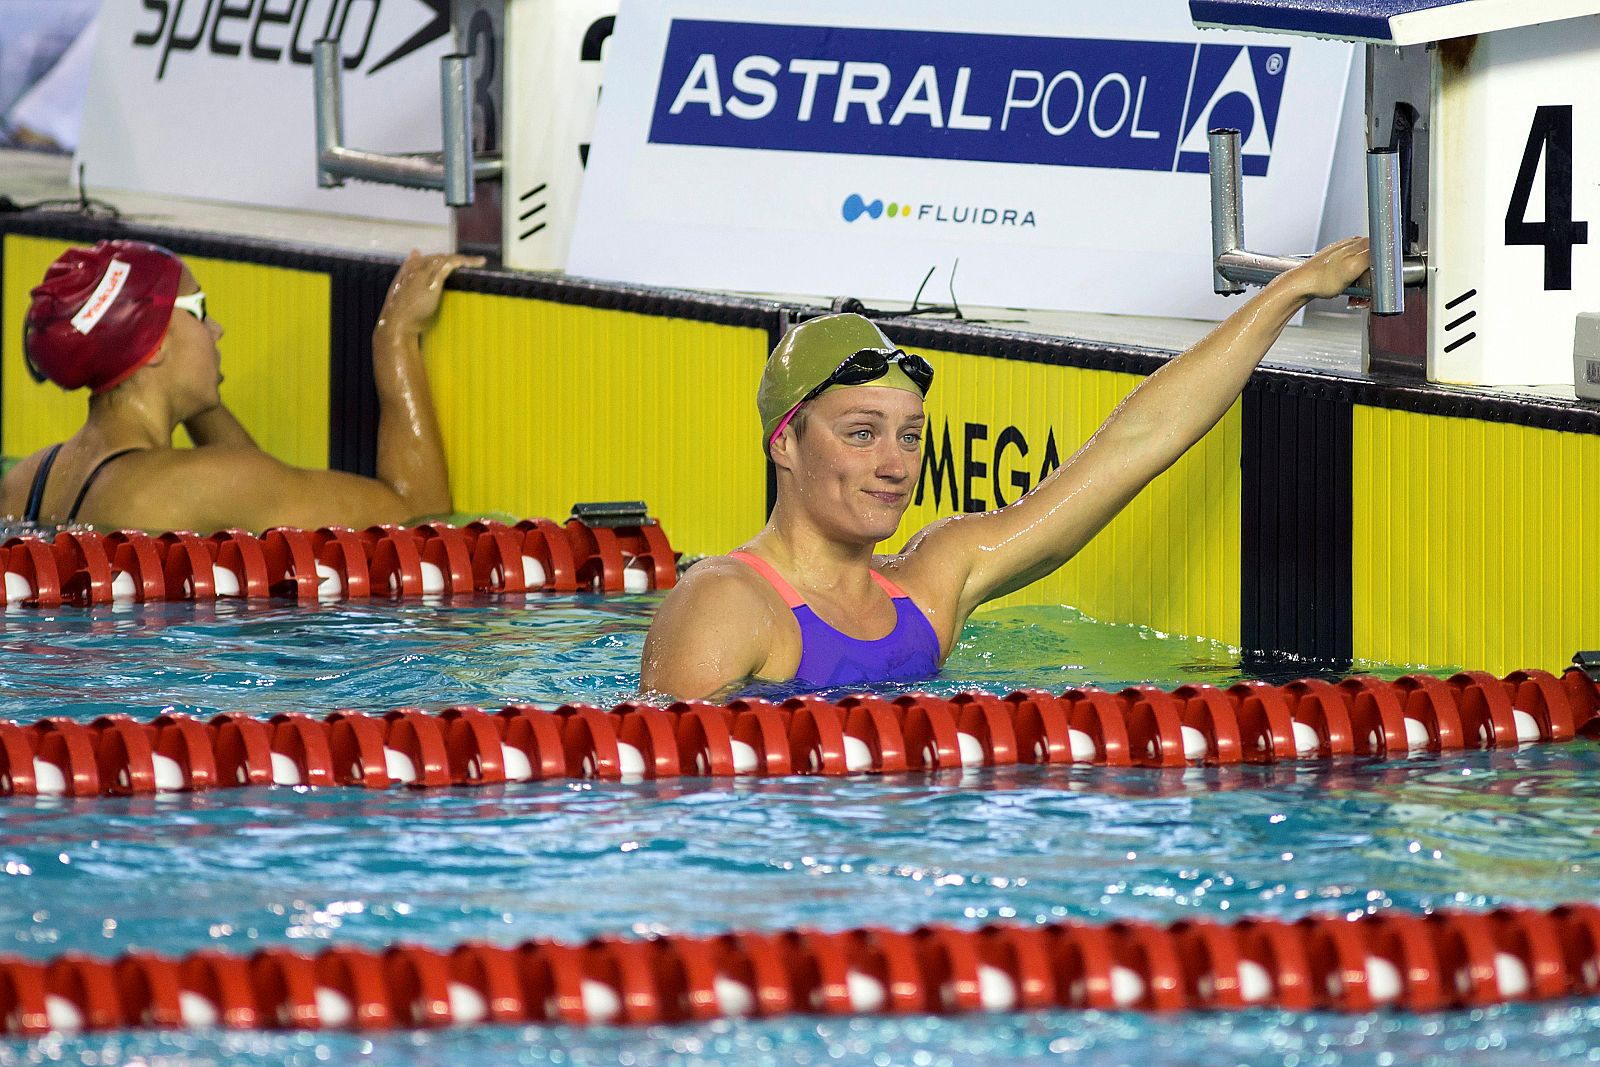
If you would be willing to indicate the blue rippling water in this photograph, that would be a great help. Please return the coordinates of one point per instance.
(242, 869)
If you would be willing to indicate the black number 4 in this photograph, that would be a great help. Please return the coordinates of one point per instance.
(1550, 137)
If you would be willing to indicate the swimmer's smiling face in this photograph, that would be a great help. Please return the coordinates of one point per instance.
(855, 459)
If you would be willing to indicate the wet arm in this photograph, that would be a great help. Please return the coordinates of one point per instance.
(1000, 551)
(233, 483)
(411, 460)
(218, 487)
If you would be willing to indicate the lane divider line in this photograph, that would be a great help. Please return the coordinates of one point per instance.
(1421, 963)
(1141, 726)
(81, 567)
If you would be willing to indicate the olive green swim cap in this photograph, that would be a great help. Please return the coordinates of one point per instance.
(808, 354)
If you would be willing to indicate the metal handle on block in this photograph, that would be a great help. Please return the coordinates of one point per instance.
(455, 171)
(455, 97)
(1227, 206)
(1234, 267)
(1383, 226)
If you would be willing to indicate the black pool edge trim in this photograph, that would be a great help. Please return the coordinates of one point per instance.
(356, 294)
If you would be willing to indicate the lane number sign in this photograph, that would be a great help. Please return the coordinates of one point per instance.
(1514, 185)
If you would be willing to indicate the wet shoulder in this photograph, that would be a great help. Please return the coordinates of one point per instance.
(170, 488)
(904, 569)
(724, 583)
(724, 574)
(935, 561)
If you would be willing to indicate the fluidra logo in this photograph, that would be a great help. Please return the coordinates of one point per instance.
(857, 207)
(275, 31)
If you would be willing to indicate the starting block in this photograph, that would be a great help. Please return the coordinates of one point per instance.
(1484, 144)
(518, 101)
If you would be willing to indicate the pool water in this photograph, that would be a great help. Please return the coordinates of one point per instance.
(240, 869)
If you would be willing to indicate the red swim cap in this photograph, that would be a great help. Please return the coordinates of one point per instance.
(100, 314)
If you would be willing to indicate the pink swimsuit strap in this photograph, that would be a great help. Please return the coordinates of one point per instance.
(790, 595)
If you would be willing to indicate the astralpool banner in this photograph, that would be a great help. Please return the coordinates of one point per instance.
(1043, 154)
(212, 99)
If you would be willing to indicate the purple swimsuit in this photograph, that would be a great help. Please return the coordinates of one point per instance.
(829, 657)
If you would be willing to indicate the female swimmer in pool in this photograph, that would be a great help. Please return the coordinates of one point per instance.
(128, 320)
(807, 600)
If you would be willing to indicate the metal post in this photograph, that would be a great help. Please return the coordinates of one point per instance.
(1383, 226)
(454, 170)
(327, 81)
(456, 103)
(1227, 205)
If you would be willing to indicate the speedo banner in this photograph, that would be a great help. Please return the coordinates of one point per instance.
(212, 99)
(1048, 155)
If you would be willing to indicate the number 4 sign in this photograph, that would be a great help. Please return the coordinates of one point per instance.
(1550, 147)
(1514, 186)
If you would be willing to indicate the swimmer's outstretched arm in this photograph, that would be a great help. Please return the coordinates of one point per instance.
(979, 557)
(234, 483)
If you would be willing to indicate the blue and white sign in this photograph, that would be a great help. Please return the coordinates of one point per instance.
(1059, 152)
(1064, 102)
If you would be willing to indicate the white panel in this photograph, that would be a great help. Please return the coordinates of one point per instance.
(554, 57)
(214, 100)
(1481, 16)
(1087, 209)
(1502, 312)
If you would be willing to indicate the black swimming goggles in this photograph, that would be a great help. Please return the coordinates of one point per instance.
(870, 364)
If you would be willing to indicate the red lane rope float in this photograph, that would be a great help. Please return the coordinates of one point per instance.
(1407, 962)
(334, 563)
(1252, 722)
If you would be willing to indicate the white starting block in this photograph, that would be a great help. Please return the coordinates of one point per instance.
(1484, 133)
(518, 103)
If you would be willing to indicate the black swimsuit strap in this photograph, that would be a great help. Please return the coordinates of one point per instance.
(36, 491)
(89, 481)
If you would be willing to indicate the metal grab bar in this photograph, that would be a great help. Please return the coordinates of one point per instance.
(454, 170)
(1383, 225)
(1234, 266)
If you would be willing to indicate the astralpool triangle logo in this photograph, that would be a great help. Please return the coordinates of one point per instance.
(1234, 87)
(857, 207)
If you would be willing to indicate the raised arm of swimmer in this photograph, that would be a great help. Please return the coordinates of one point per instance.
(242, 485)
(410, 448)
(977, 558)
(148, 352)
(806, 599)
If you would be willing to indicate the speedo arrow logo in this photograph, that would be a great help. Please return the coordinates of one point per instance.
(436, 28)
(272, 34)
